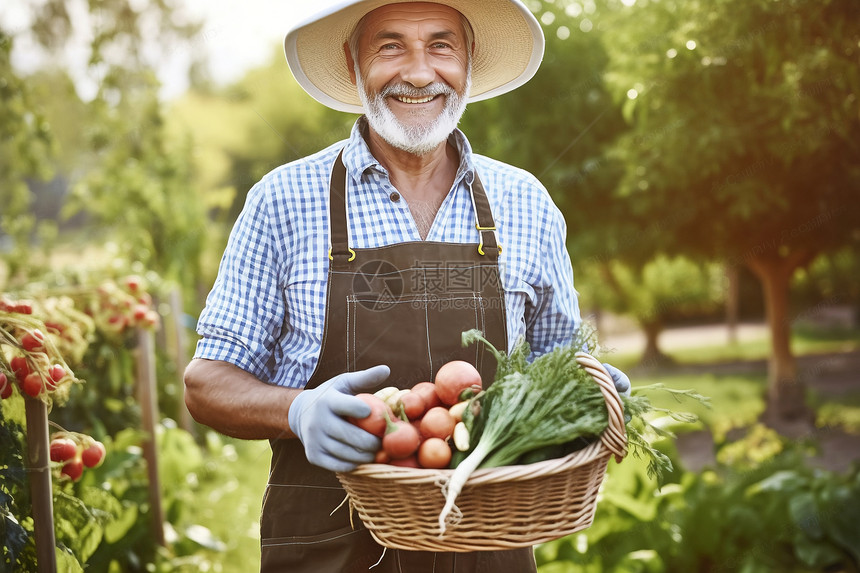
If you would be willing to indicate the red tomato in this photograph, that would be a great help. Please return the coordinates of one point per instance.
(434, 453)
(375, 421)
(73, 469)
(437, 423)
(32, 384)
(55, 375)
(33, 341)
(20, 367)
(93, 455)
(453, 378)
(402, 441)
(63, 449)
(5, 387)
(427, 390)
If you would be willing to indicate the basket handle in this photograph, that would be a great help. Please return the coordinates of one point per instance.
(614, 437)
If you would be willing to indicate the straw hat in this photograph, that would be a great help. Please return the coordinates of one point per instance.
(509, 47)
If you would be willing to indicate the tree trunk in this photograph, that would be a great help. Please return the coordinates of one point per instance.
(652, 356)
(786, 393)
(732, 302)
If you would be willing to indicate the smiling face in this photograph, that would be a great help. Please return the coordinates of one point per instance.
(411, 64)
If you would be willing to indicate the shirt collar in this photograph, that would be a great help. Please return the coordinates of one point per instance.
(358, 159)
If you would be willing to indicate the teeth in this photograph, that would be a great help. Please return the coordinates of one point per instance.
(415, 100)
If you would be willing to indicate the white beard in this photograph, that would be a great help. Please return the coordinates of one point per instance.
(415, 139)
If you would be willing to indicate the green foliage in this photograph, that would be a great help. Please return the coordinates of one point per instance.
(16, 529)
(560, 126)
(663, 289)
(780, 516)
(26, 146)
(738, 111)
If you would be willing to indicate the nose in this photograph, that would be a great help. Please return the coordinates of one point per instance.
(417, 69)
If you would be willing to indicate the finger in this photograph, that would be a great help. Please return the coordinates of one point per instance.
(331, 463)
(622, 382)
(363, 380)
(348, 451)
(350, 435)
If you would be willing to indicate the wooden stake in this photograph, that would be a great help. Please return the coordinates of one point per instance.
(39, 476)
(181, 357)
(146, 394)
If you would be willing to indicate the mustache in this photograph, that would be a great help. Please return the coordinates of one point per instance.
(403, 89)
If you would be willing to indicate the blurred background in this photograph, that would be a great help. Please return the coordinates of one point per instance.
(706, 156)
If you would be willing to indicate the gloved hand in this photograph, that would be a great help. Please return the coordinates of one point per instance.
(318, 418)
(622, 382)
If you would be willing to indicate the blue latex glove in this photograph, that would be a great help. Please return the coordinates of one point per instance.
(318, 418)
(622, 382)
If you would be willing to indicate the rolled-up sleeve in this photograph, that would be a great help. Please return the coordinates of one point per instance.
(554, 317)
(244, 311)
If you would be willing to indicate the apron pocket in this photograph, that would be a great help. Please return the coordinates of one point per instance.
(412, 334)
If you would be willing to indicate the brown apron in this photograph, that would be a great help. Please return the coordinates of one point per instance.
(404, 305)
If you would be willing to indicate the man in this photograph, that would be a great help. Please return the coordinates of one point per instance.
(360, 266)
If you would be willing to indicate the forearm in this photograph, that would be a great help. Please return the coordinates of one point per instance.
(231, 401)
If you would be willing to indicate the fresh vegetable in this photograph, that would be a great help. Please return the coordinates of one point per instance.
(434, 453)
(5, 387)
(93, 455)
(461, 437)
(411, 405)
(385, 393)
(375, 421)
(73, 469)
(32, 384)
(437, 423)
(33, 341)
(410, 461)
(457, 410)
(538, 405)
(63, 449)
(401, 439)
(427, 390)
(454, 378)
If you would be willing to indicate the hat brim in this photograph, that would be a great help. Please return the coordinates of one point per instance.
(509, 46)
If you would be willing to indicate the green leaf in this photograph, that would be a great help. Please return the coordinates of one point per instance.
(116, 529)
(204, 537)
(778, 482)
(804, 511)
(642, 510)
(66, 562)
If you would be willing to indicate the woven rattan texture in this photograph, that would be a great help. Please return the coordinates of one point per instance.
(499, 508)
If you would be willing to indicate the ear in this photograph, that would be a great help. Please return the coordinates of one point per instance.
(350, 63)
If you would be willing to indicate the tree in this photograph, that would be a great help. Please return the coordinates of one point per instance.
(26, 147)
(560, 126)
(744, 143)
(265, 119)
(133, 182)
(664, 289)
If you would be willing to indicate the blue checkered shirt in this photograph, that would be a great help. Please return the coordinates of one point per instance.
(266, 311)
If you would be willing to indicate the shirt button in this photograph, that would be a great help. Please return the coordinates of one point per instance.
(395, 196)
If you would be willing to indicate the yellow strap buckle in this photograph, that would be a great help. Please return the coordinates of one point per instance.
(350, 259)
(481, 244)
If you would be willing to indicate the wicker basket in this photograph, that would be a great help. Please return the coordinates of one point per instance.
(498, 508)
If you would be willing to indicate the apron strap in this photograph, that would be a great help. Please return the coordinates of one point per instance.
(337, 213)
(484, 222)
(340, 249)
